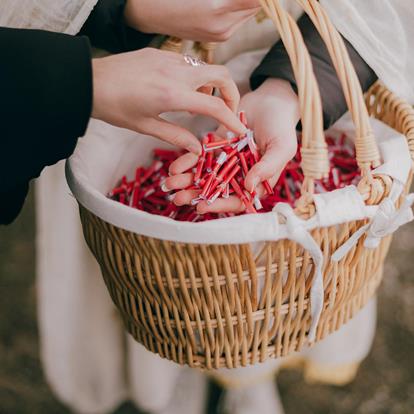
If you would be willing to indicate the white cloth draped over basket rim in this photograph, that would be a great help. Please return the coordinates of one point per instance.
(90, 182)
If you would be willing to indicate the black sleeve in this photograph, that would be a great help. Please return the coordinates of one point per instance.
(45, 105)
(276, 64)
(107, 30)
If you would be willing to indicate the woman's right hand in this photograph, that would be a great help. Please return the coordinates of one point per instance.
(198, 20)
(132, 90)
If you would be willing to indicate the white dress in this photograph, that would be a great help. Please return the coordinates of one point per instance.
(89, 362)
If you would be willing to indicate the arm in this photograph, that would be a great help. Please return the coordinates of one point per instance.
(123, 25)
(47, 98)
(276, 65)
(46, 84)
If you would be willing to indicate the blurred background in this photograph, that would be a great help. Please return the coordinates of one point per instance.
(384, 384)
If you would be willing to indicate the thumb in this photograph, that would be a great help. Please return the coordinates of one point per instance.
(278, 153)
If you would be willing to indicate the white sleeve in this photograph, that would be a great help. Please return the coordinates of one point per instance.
(65, 16)
(382, 32)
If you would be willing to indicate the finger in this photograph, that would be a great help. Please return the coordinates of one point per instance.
(212, 106)
(220, 78)
(178, 182)
(231, 97)
(184, 197)
(277, 154)
(222, 205)
(207, 90)
(171, 133)
(183, 164)
(221, 132)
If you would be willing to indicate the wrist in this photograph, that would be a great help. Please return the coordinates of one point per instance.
(282, 91)
(98, 69)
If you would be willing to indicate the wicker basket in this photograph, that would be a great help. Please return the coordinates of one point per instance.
(200, 304)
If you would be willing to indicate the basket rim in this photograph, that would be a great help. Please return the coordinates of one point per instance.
(240, 229)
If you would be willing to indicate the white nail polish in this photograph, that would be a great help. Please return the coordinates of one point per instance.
(165, 188)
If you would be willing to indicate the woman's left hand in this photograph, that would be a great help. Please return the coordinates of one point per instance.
(272, 113)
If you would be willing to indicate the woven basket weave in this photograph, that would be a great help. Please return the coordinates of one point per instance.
(201, 304)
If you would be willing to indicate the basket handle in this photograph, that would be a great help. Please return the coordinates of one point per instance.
(315, 164)
(367, 153)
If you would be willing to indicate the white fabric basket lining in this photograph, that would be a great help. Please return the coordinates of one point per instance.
(107, 153)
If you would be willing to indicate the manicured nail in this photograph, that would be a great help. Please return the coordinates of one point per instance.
(171, 197)
(165, 188)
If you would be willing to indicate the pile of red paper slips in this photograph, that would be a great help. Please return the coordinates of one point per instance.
(220, 172)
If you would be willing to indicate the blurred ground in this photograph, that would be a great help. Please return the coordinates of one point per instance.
(385, 383)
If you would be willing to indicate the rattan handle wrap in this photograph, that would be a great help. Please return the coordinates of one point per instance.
(366, 148)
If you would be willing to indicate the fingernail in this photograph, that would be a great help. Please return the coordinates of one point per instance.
(171, 197)
(165, 188)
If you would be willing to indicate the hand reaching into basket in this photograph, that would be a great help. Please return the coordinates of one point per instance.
(198, 20)
(272, 113)
(132, 90)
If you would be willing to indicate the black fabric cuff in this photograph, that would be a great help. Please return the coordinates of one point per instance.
(106, 28)
(46, 84)
(276, 64)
